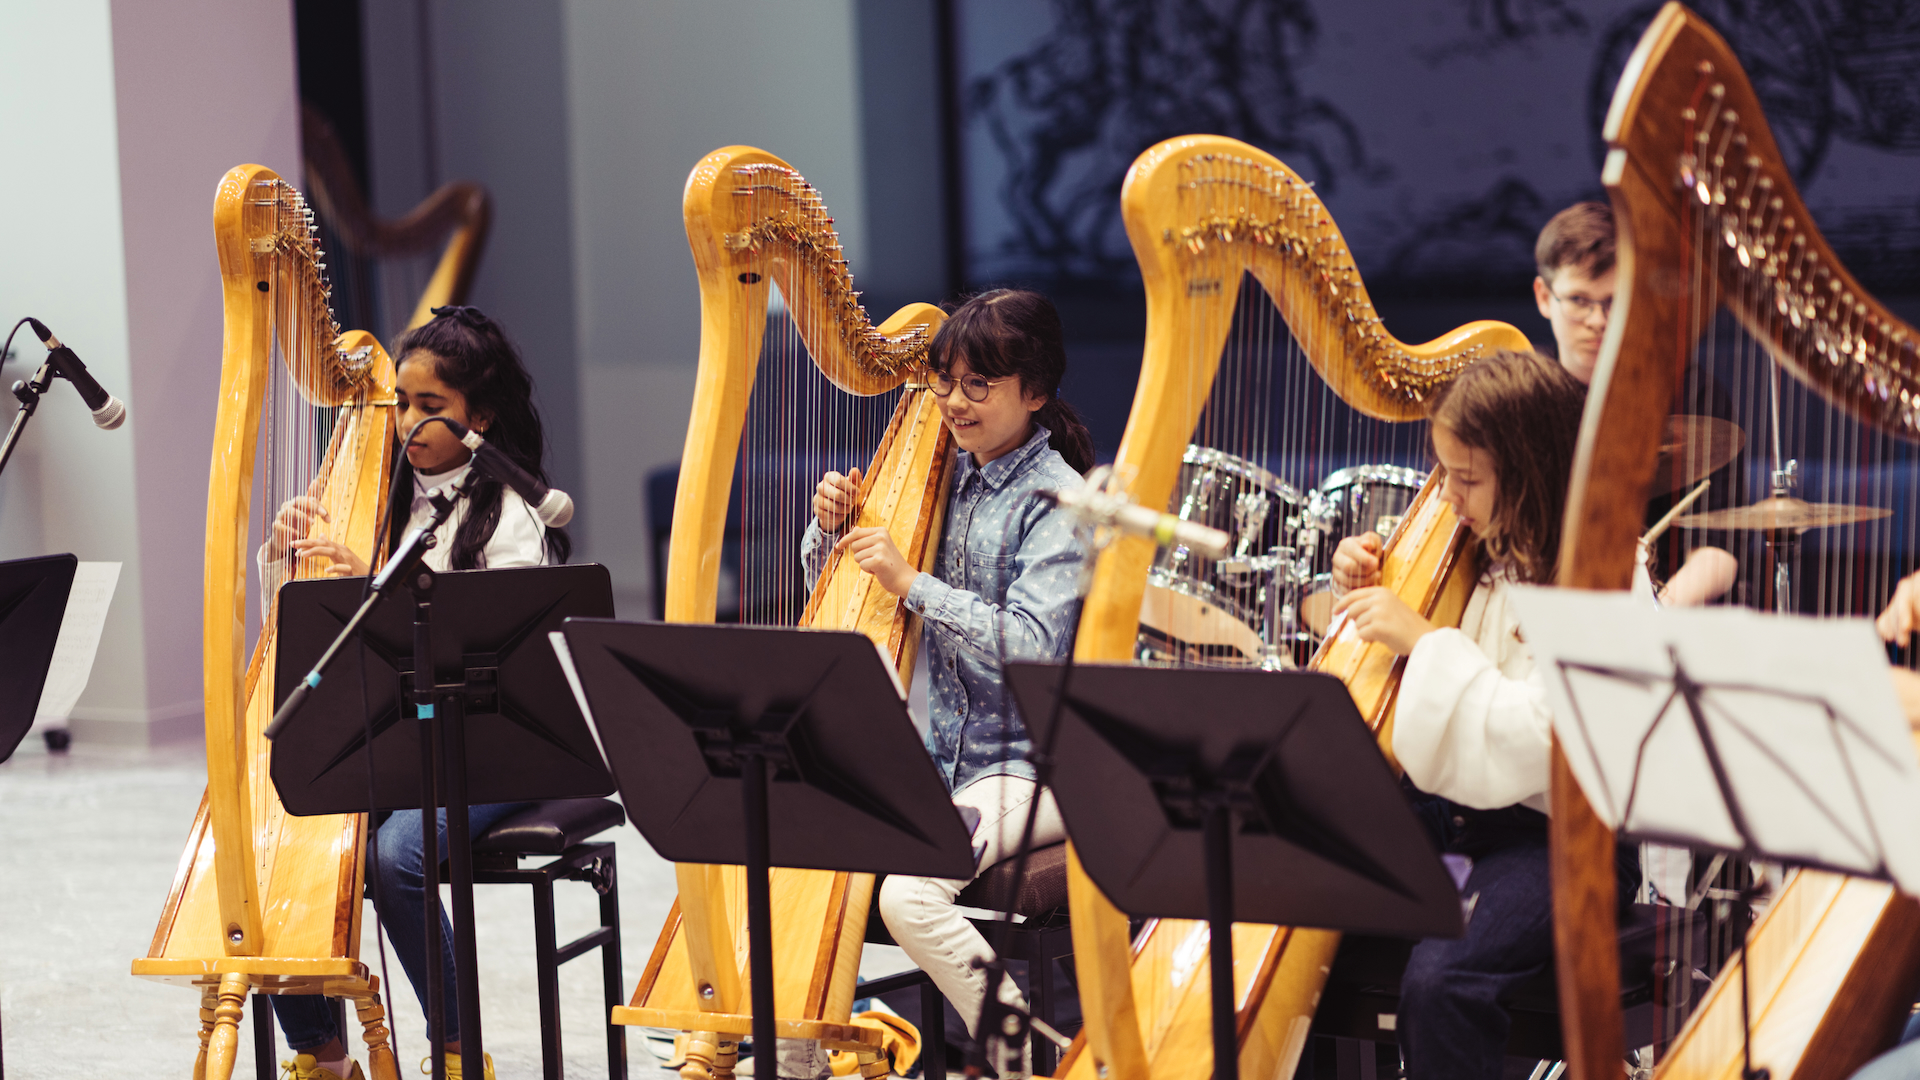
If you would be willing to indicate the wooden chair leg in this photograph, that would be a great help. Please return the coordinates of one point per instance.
(223, 1042)
(726, 1060)
(373, 1023)
(209, 998)
(702, 1050)
(873, 1064)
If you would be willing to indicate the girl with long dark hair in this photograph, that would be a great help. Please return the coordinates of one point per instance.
(1472, 726)
(463, 367)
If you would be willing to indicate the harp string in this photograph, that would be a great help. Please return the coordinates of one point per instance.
(799, 426)
(1269, 434)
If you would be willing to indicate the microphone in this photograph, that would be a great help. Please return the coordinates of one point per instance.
(109, 412)
(1098, 507)
(552, 506)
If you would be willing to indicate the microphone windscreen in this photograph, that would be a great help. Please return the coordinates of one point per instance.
(111, 415)
(556, 509)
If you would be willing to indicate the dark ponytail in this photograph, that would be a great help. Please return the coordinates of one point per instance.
(471, 354)
(1017, 332)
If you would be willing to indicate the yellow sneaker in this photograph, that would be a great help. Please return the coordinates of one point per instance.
(306, 1067)
(453, 1067)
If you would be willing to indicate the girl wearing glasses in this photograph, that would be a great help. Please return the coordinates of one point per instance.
(1006, 588)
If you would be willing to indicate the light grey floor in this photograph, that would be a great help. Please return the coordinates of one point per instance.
(93, 838)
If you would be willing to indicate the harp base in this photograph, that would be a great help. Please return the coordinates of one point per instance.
(223, 999)
(833, 1036)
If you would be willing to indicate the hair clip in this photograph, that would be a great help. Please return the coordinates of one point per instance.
(471, 317)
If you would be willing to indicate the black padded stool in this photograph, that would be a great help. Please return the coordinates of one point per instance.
(1042, 936)
(561, 828)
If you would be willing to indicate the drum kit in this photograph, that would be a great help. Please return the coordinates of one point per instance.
(1269, 603)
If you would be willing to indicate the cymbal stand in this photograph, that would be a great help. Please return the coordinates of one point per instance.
(1783, 545)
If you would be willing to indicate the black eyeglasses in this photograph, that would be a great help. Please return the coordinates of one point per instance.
(976, 387)
(1581, 307)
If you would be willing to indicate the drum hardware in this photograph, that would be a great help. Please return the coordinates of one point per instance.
(1783, 518)
(1279, 594)
(1695, 447)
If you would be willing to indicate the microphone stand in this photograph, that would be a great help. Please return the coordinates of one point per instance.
(413, 548)
(29, 392)
(1011, 1023)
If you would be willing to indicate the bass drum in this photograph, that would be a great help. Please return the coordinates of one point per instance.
(1361, 499)
(1241, 610)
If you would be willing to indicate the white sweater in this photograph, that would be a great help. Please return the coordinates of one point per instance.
(519, 540)
(1473, 724)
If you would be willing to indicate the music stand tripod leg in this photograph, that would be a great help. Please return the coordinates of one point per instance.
(466, 953)
(432, 775)
(1219, 840)
(753, 797)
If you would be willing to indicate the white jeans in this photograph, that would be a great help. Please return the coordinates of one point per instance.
(920, 912)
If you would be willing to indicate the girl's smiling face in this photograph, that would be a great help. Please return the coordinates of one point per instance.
(420, 394)
(992, 428)
(1470, 486)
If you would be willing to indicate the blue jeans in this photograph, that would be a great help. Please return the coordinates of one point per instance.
(1453, 1019)
(400, 898)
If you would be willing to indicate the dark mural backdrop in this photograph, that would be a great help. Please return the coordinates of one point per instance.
(1441, 133)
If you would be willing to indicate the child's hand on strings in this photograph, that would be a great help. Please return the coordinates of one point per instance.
(1706, 575)
(873, 549)
(345, 563)
(1902, 613)
(834, 498)
(1356, 562)
(295, 519)
(1380, 615)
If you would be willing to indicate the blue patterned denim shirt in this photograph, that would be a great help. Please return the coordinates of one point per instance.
(1008, 570)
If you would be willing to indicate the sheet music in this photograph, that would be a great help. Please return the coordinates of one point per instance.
(79, 640)
(558, 639)
(1816, 751)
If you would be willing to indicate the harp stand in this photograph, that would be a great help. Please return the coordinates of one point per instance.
(1276, 809)
(322, 785)
(28, 391)
(1812, 767)
(768, 747)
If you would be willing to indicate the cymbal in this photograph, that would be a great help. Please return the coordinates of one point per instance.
(1693, 447)
(1782, 514)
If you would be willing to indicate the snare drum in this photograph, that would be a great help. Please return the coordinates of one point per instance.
(1226, 612)
(1361, 499)
(1366, 498)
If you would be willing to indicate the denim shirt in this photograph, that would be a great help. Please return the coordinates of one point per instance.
(1008, 572)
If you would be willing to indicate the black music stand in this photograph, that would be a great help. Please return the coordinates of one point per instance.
(33, 603)
(767, 747)
(501, 722)
(1234, 795)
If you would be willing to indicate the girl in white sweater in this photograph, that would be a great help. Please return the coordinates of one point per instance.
(1472, 727)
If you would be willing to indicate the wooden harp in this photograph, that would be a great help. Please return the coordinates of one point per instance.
(1716, 248)
(784, 394)
(265, 902)
(1239, 257)
(391, 273)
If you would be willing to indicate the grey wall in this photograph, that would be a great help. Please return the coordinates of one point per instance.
(135, 110)
(66, 265)
(487, 101)
(653, 88)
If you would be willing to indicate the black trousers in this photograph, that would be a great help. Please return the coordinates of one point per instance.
(1453, 1019)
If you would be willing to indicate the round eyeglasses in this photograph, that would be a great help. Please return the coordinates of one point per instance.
(976, 387)
(1581, 307)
